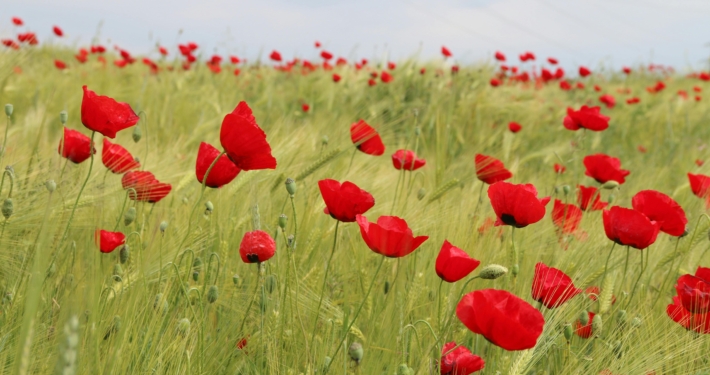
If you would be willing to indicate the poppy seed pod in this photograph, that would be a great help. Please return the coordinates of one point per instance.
(421, 194)
(515, 270)
(291, 186)
(283, 219)
(356, 352)
(195, 275)
(567, 331)
(597, 324)
(8, 109)
(209, 207)
(289, 240)
(492, 272)
(566, 189)
(137, 134)
(129, 216)
(63, 117)
(611, 184)
(7, 208)
(387, 287)
(270, 283)
(583, 317)
(197, 263)
(163, 226)
(183, 327)
(50, 185)
(124, 254)
(324, 140)
(212, 294)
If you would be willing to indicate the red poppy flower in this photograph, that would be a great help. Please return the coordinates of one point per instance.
(244, 141)
(608, 100)
(552, 60)
(514, 127)
(459, 360)
(593, 292)
(453, 264)
(275, 55)
(694, 293)
(408, 160)
(17, 21)
(256, 247)
(559, 168)
(336, 78)
(386, 77)
(344, 202)
(700, 185)
(371, 82)
(584, 71)
(584, 331)
(147, 188)
(633, 100)
(422, 71)
(597, 88)
(587, 118)
(59, 64)
(566, 216)
(109, 241)
(391, 65)
(626, 70)
(629, 227)
(516, 205)
(445, 51)
(105, 115)
(502, 318)
(390, 236)
(584, 198)
(699, 162)
(552, 287)
(604, 168)
(490, 170)
(699, 323)
(57, 31)
(223, 172)
(366, 138)
(117, 159)
(305, 107)
(499, 56)
(326, 55)
(75, 146)
(662, 209)
(495, 82)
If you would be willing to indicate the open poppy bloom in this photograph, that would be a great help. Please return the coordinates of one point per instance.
(244, 141)
(587, 118)
(514, 127)
(491, 170)
(604, 168)
(256, 247)
(386, 77)
(75, 146)
(502, 318)
(584, 71)
(453, 264)
(516, 205)
(390, 236)
(566, 216)
(336, 78)
(105, 115)
(366, 138)
(445, 51)
(117, 159)
(344, 202)
(147, 188)
(223, 172)
(700, 185)
(459, 360)
(407, 159)
(584, 331)
(699, 323)
(275, 55)
(109, 241)
(552, 287)
(662, 209)
(629, 227)
(588, 198)
(694, 291)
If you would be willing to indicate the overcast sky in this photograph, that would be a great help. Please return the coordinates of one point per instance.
(588, 32)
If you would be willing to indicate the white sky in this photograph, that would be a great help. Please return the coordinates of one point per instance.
(588, 32)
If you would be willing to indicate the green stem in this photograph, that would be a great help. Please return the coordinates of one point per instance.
(325, 280)
(665, 279)
(4, 142)
(438, 299)
(295, 224)
(606, 265)
(633, 291)
(76, 203)
(256, 290)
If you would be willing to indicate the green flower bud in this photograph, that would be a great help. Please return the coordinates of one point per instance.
(124, 254)
(235, 279)
(621, 317)
(129, 216)
(163, 226)
(270, 283)
(283, 219)
(611, 184)
(63, 116)
(387, 287)
(417, 131)
(324, 140)
(568, 331)
(8, 109)
(183, 327)
(209, 207)
(196, 275)
(289, 240)
(8, 298)
(557, 189)
(291, 186)
(212, 294)
(597, 325)
(356, 352)
(421, 194)
(7, 208)
(50, 185)
(137, 133)
(610, 198)
(636, 322)
(492, 271)
(197, 263)
(262, 303)
(515, 270)
(403, 369)
(118, 270)
(566, 189)
(583, 317)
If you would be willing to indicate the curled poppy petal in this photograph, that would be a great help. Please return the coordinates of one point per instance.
(109, 241)
(117, 159)
(552, 287)
(587, 118)
(390, 236)
(344, 201)
(75, 146)
(490, 170)
(105, 115)
(407, 160)
(661, 209)
(453, 264)
(244, 141)
(366, 138)
(146, 188)
(222, 173)
(604, 168)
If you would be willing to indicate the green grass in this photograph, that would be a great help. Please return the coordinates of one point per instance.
(136, 326)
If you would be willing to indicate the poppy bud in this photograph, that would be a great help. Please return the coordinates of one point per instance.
(137, 133)
(324, 140)
(421, 193)
(403, 369)
(610, 199)
(283, 219)
(129, 216)
(597, 324)
(209, 207)
(566, 189)
(289, 240)
(163, 226)
(8, 110)
(611, 184)
(387, 287)
(557, 189)
(568, 332)
(617, 348)
(636, 322)
(417, 131)
(212, 294)
(197, 263)
(621, 317)
(270, 283)
(196, 275)
(492, 272)
(356, 352)
(50, 185)
(63, 116)
(124, 254)
(235, 279)
(7, 208)
(584, 317)
(183, 327)
(291, 186)
(118, 270)
(515, 270)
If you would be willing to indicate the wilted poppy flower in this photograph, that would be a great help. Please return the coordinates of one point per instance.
(514, 127)
(256, 247)
(275, 55)
(344, 202)
(453, 264)
(386, 77)
(407, 159)
(587, 118)
(445, 51)
(584, 71)
(604, 168)
(366, 138)
(608, 100)
(662, 209)
(244, 141)
(147, 187)
(117, 159)
(499, 56)
(699, 323)
(490, 170)
(502, 318)
(105, 115)
(588, 198)
(566, 216)
(584, 331)
(390, 236)
(593, 292)
(109, 241)
(694, 293)
(59, 64)
(459, 360)
(629, 227)
(559, 168)
(516, 204)
(75, 146)
(551, 286)
(223, 172)
(700, 185)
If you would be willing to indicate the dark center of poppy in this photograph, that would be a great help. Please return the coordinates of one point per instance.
(253, 258)
(509, 219)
